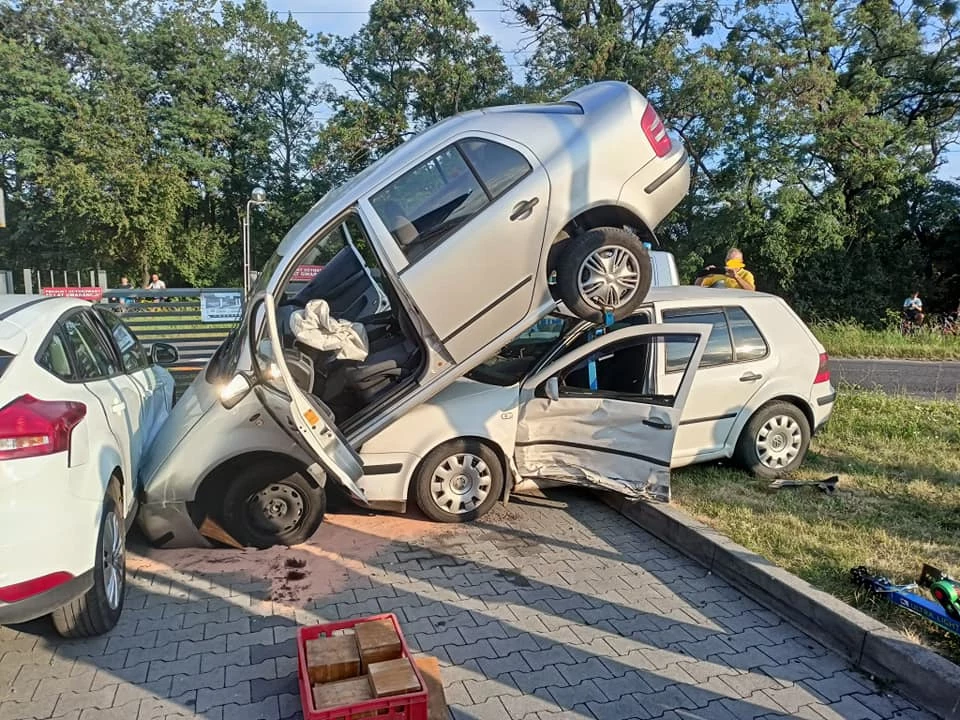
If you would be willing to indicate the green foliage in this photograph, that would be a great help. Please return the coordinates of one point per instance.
(895, 508)
(132, 132)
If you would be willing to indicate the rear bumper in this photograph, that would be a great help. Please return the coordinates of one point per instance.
(823, 408)
(168, 525)
(46, 602)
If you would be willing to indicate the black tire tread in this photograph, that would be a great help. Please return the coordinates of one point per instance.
(424, 473)
(577, 250)
(745, 452)
(85, 616)
(240, 488)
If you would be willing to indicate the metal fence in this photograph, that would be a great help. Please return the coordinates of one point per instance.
(192, 320)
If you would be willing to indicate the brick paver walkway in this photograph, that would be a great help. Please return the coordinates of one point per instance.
(549, 608)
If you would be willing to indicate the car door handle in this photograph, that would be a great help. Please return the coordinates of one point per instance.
(522, 210)
(118, 407)
(750, 377)
(658, 423)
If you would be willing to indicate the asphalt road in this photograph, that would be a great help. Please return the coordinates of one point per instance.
(917, 378)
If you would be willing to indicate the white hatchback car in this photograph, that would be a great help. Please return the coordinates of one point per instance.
(80, 400)
(540, 412)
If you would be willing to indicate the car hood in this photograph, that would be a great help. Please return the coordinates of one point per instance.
(192, 405)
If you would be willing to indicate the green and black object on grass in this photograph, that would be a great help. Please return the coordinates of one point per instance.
(945, 613)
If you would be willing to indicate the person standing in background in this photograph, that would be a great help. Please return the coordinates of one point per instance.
(735, 274)
(156, 284)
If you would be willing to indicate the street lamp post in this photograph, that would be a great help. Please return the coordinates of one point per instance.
(257, 197)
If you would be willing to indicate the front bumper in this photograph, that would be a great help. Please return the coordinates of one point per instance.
(169, 525)
(46, 602)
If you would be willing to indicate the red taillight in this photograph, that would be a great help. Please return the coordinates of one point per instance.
(655, 131)
(31, 427)
(823, 372)
(29, 588)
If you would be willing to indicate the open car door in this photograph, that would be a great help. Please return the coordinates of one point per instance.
(595, 416)
(305, 418)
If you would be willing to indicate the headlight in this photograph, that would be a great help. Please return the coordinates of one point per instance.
(235, 390)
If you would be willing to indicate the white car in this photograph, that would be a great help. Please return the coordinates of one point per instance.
(80, 400)
(539, 412)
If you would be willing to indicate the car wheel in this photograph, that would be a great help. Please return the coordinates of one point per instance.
(270, 504)
(604, 268)
(98, 610)
(459, 481)
(774, 441)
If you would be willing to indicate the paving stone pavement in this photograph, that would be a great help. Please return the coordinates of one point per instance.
(550, 608)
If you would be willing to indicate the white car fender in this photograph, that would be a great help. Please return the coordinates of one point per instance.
(465, 409)
(107, 460)
(781, 387)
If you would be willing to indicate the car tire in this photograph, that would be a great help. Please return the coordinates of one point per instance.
(775, 440)
(98, 610)
(581, 262)
(270, 504)
(458, 481)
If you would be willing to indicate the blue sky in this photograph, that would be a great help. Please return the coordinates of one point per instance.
(344, 17)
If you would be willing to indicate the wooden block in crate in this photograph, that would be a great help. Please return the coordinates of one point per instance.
(378, 642)
(437, 703)
(392, 677)
(341, 693)
(332, 658)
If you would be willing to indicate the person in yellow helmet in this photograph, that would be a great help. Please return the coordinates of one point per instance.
(734, 275)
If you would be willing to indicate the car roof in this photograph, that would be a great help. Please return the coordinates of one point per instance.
(529, 124)
(25, 310)
(693, 295)
(687, 293)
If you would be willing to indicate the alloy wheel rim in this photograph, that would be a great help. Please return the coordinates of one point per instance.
(276, 509)
(112, 560)
(609, 277)
(461, 483)
(778, 442)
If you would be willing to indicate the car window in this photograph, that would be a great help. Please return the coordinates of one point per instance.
(498, 166)
(55, 357)
(513, 361)
(594, 331)
(748, 343)
(429, 203)
(92, 358)
(719, 349)
(622, 371)
(131, 351)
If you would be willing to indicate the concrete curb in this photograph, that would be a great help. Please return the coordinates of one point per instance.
(928, 679)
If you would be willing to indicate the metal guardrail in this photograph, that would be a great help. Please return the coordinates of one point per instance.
(174, 316)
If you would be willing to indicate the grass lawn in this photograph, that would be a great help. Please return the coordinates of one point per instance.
(844, 339)
(897, 504)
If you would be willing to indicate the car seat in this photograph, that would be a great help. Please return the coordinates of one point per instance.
(399, 225)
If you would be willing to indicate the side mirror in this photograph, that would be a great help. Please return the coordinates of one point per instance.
(162, 353)
(552, 388)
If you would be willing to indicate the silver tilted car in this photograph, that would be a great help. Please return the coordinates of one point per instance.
(428, 262)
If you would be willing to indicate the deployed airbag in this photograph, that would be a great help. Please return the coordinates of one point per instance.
(313, 326)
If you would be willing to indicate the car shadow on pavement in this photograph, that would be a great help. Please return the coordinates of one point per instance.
(577, 610)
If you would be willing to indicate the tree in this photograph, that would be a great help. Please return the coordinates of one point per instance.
(412, 64)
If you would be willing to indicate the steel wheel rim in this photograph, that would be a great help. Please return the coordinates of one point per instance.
(778, 442)
(609, 277)
(276, 509)
(460, 483)
(112, 560)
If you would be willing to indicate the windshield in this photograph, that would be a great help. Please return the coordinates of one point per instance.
(223, 364)
(514, 361)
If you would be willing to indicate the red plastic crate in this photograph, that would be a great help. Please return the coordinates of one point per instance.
(412, 706)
